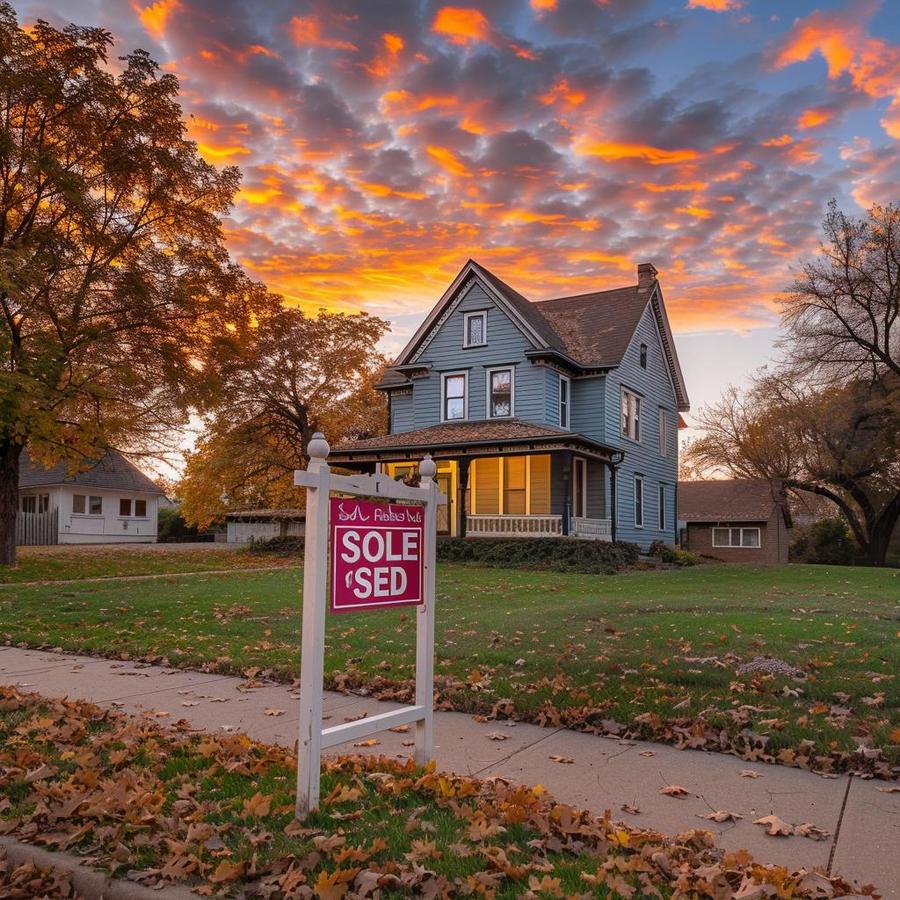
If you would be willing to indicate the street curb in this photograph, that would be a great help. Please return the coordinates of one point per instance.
(93, 884)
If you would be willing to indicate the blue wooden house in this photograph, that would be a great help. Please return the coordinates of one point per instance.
(553, 418)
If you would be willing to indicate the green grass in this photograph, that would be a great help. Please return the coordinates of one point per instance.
(65, 564)
(581, 650)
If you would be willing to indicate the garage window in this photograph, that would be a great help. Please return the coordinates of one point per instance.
(747, 538)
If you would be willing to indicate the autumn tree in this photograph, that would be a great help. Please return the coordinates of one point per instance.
(115, 285)
(295, 375)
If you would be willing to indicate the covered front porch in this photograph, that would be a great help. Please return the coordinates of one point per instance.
(529, 481)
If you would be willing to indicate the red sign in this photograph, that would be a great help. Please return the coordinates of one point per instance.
(377, 555)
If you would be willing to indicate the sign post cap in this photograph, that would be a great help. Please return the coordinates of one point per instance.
(427, 468)
(318, 447)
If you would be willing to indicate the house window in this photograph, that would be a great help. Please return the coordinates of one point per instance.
(140, 508)
(643, 356)
(36, 503)
(514, 473)
(29, 504)
(663, 433)
(631, 415)
(95, 505)
(454, 396)
(579, 487)
(500, 393)
(747, 538)
(124, 506)
(565, 386)
(638, 501)
(79, 504)
(662, 507)
(475, 325)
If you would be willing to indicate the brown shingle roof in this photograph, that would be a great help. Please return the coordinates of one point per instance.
(596, 328)
(112, 471)
(455, 433)
(738, 500)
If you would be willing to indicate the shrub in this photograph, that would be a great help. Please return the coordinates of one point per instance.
(171, 526)
(827, 542)
(291, 544)
(551, 554)
(673, 555)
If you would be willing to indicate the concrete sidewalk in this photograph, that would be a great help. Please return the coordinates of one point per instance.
(863, 821)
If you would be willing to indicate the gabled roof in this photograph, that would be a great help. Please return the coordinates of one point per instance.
(112, 471)
(735, 500)
(590, 331)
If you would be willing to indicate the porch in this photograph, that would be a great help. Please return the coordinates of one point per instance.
(532, 481)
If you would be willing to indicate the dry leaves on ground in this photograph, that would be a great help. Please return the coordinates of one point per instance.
(215, 812)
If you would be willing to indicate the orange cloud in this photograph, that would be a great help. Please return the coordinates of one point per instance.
(614, 152)
(460, 25)
(544, 5)
(448, 161)
(698, 212)
(562, 91)
(872, 64)
(781, 141)
(715, 5)
(155, 16)
(386, 61)
(307, 31)
(677, 186)
(814, 117)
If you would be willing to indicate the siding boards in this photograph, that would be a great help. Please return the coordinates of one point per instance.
(505, 345)
(643, 458)
(588, 415)
(402, 418)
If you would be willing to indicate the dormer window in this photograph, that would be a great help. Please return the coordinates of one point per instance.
(643, 356)
(475, 326)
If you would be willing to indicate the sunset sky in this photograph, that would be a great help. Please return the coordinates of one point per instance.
(558, 142)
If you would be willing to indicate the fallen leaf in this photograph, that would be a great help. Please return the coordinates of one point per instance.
(497, 736)
(808, 830)
(722, 815)
(369, 742)
(228, 871)
(750, 773)
(775, 826)
(561, 759)
(674, 790)
(274, 712)
(257, 805)
(629, 808)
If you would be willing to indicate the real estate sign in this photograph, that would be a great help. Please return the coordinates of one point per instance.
(377, 557)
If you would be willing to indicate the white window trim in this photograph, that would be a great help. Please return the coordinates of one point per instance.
(639, 408)
(582, 462)
(639, 478)
(512, 391)
(568, 382)
(741, 545)
(661, 507)
(482, 314)
(444, 377)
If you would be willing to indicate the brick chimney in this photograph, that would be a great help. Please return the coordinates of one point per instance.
(646, 276)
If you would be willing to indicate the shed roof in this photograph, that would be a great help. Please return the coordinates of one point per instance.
(727, 500)
(112, 471)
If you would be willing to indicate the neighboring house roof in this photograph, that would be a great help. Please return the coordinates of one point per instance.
(738, 500)
(112, 471)
(591, 331)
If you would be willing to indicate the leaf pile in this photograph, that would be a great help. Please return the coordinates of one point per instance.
(216, 813)
(27, 881)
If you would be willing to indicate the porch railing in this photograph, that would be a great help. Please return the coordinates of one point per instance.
(592, 529)
(514, 526)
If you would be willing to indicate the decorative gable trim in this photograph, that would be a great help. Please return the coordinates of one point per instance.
(448, 303)
(667, 341)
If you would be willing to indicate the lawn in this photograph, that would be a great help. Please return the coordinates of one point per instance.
(216, 813)
(63, 563)
(650, 654)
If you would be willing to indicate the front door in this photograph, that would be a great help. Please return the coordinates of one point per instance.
(444, 517)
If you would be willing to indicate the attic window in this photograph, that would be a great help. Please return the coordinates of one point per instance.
(643, 356)
(475, 324)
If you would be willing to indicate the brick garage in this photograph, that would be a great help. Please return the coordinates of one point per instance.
(735, 521)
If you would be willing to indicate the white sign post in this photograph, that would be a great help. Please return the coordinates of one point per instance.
(319, 483)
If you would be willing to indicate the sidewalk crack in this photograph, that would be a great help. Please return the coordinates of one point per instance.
(837, 830)
(498, 762)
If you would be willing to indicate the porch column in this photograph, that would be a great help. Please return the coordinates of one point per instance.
(462, 483)
(612, 500)
(567, 492)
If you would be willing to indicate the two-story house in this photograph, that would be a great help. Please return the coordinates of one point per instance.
(550, 418)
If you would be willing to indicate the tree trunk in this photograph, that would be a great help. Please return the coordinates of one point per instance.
(880, 532)
(10, 454)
